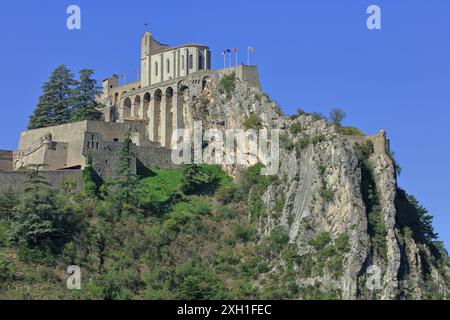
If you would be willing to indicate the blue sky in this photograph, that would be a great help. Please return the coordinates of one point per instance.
(313, 54)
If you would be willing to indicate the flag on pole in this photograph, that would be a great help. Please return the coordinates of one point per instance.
(229, 62)
(224, 57)
(250, 50)
(235, 51)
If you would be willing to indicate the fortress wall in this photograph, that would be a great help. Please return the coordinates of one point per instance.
(15, 180)
(6, 160)
(380, 143)
(152, 157)
(245, 73)
(110, 131)
(104, 159)
(115, 130)
(125, 88)
(72, 133)
(56, 157)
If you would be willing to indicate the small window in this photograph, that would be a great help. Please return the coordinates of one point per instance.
(116, 140)
(168, 65)
(191, 61)
(182, 62)
(156, 68)
(200, 62)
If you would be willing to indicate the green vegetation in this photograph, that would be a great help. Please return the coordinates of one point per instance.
(320, 241)
(350, 131)
(318, 139)
(306, 140)
(376, 227)
(327, 194)
(65, 99)
(336, 116)
(88, 178)
(189, 233)
(286, 142)
(85, 105)
(253, 121)
(328, 255)
(227, 84)
(414, 219)
(54, 105)
(295, 128)
(302, 144)
(181, 234)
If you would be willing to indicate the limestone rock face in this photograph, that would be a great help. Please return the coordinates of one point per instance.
(320, 188)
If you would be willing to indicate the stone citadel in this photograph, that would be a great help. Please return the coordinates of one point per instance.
(152, 108)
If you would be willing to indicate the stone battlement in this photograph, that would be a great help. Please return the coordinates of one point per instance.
(380, 142)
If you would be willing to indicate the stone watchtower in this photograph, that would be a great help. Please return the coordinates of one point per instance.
(149, 47)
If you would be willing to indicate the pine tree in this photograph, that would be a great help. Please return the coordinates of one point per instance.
(87, 176)
(39, 217)
(54, 106)
(8, 201)
(85, 106)
(125, 180)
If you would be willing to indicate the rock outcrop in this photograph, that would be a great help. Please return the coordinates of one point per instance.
(337, 207)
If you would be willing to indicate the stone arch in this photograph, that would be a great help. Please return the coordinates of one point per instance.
(116, 98)
(200, 61)
(183, 99)
(168, 117)
(157, 116)
(205, 82)
(126, 109)
(145, 105)
(136, 106)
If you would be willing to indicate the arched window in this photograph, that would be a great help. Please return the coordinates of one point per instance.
(168, 65)
(200, 62)
(156, 68)
(182, 62)
(191, 61)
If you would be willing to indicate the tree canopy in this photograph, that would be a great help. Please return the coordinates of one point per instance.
(64, 99)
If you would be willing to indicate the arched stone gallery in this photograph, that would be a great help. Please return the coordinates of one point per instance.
(160, 107)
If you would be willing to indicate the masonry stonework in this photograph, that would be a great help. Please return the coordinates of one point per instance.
(151, 109)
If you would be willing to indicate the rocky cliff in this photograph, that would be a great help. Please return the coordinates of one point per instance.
(358, 235)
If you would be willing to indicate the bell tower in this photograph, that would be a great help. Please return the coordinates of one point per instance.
(146, 42)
